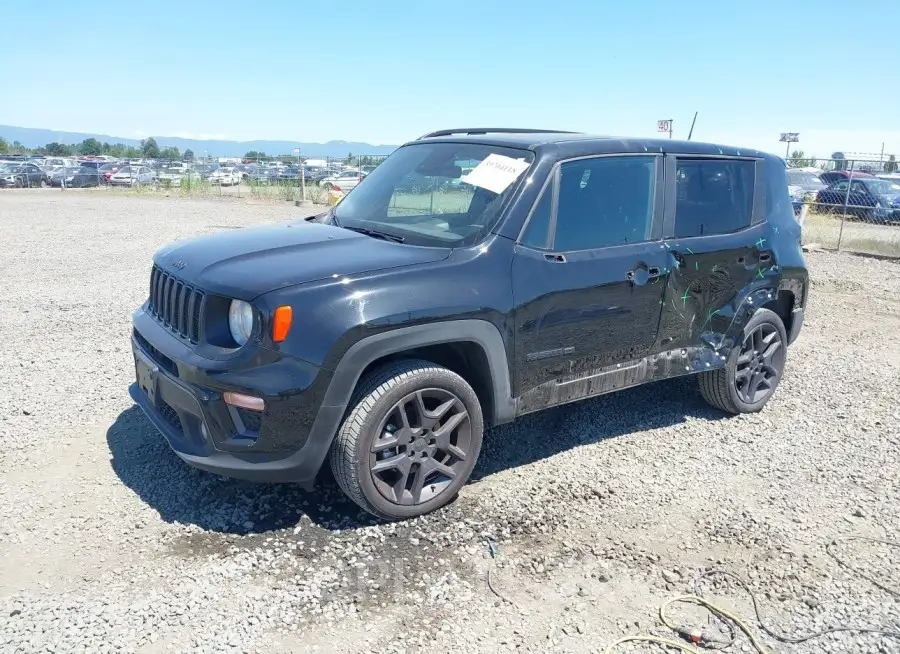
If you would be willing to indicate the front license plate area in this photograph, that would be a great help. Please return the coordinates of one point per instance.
(146, 373)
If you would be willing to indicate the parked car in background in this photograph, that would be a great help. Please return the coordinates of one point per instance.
(205, 170)
(261, 175)
(809, 181)
(833, 176)
(801, 183)
(175, 176)
(96, 164)
(56, 162)
(81, 177)
(108, 169)
(316, 175)
(131, 176)
(227, 176)
(344, 181)
(870, 198)
(23, 175)
(61, 173)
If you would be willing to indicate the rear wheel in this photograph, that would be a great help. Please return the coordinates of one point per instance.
(409, 441)
(753, 369)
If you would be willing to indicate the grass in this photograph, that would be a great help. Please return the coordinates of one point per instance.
(856, 236)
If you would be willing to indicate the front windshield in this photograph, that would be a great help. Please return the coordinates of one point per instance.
(419, 192)
(884, 187)
(125, 169)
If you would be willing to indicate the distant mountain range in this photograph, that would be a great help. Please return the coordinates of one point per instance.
(33, 138)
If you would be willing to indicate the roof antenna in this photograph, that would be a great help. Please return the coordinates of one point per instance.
(693, 122)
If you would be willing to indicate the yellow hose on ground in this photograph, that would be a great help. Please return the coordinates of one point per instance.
(664, 618)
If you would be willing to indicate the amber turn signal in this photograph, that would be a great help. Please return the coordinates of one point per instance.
(281, 323)
(244, 401)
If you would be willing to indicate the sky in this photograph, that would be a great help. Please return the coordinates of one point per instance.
(387, 71)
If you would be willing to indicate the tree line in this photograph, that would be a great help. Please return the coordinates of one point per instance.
(148, 149)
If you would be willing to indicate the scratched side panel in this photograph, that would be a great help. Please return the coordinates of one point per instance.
(709, 280)
(578, 386)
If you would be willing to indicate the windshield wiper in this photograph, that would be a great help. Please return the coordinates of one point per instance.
(374, 233)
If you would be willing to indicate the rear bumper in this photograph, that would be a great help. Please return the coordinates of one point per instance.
(184, 401)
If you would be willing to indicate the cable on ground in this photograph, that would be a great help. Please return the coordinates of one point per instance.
(708, 640)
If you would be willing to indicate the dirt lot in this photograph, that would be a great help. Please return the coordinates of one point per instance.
(597, 512)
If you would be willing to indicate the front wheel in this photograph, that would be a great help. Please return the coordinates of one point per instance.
(409, 441)
(753, 369)
(43, 183)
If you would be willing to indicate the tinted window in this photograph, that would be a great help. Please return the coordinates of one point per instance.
(539, 224)
(604, 201)
(714, 196)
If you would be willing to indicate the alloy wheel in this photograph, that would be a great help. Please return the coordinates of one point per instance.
(760, 364)
(420, 446)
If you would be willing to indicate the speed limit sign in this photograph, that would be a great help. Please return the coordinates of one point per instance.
(663, 125)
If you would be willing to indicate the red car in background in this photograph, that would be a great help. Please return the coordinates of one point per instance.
(833, 176)
(108, 170)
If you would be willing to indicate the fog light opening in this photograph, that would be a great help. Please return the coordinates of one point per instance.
(244, 401)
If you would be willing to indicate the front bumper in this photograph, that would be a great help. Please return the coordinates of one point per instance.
(886, 214)
(182, 396)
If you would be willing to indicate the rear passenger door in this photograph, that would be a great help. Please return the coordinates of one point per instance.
(588, 275)
(716, 237)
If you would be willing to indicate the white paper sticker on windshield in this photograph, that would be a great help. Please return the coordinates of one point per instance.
(495, 173)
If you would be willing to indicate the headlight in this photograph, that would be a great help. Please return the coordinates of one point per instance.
(240, 321)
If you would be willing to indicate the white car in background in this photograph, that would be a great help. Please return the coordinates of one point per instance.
(131, 176)
(343, 181)
(226, 177)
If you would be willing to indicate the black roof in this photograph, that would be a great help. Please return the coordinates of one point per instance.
(577, 144)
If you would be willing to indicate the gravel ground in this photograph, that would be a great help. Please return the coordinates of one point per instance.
(597, 512)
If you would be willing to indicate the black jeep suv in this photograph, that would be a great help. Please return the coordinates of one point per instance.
(535, 268)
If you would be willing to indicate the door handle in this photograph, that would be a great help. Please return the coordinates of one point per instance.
(640, 275)
(555, 258)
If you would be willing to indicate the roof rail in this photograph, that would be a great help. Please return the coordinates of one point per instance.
(491, 130)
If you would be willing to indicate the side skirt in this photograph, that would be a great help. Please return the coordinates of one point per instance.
(600, 381)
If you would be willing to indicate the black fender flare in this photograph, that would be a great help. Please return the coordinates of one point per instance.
(740, 310)
(371, 348)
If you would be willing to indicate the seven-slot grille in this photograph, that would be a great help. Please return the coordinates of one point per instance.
(175, 304)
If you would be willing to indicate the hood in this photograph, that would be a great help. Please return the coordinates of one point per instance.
(245, 263)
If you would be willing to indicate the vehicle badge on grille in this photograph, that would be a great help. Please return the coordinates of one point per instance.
(179, 265)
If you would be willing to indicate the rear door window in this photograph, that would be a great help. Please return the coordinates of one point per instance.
(713, 196)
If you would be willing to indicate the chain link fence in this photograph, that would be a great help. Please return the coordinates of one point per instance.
(848, 204)
(288, 177)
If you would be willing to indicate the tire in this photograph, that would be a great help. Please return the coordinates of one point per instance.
(721, 388)
(374, 415)
(329, 186)
(43, 183)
